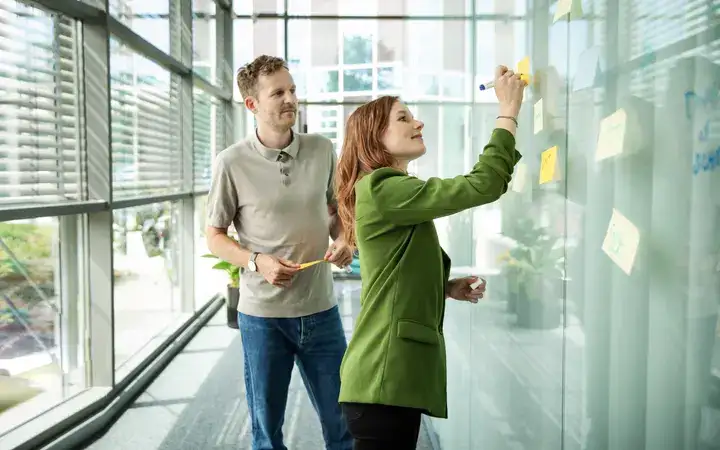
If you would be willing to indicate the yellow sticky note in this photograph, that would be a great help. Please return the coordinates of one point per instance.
(523, 68)
(519, 178)
(311, 263)
(548, 165)
(621, 241)
(565, 7)
(611, 138)
(538, 120)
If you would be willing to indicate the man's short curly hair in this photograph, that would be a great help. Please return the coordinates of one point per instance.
(247, 76)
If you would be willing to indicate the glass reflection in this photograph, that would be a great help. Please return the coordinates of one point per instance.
(208, 282)
(148, 18)
(420, 60)
(205, 36)
(146, 275)
(600, 327)
(146, 150)
(41, 351)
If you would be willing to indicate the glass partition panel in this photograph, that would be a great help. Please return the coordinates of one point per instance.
(42, 352)
(642, 350)
(146, 275)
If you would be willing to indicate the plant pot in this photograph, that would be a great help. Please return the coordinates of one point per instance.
(233, 297)
(512, 298)
(512, 291)
(536, 314)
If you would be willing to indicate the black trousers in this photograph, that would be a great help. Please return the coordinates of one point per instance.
(382, 427)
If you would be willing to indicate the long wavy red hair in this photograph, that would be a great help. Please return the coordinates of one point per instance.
(362, 152)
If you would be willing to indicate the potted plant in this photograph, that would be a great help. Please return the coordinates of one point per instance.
(537, 269)
(233, 289)
(525, 234)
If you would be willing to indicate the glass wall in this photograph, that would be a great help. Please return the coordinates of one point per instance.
(108, 132)
(642, 223)
(599, 330)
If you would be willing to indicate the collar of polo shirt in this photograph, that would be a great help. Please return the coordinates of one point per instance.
(272, 154)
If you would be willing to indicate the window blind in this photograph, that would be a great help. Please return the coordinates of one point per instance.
(208, 136)
(145, 126)
(655, 25)
(40, 157)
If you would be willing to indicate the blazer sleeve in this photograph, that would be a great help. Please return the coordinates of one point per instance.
(407, 200)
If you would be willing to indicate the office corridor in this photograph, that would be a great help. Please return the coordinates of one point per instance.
(198, 402)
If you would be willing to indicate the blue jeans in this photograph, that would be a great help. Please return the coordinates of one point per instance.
(271, 347)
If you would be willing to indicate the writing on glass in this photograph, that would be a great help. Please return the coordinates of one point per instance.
(703, 104)
(548, 163)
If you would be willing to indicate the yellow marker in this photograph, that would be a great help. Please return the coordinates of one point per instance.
(311, 263)
(548, 163)
(523, 68)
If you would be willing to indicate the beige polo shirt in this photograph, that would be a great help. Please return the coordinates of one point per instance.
(278, 201)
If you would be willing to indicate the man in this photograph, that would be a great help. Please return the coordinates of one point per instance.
(276, 187)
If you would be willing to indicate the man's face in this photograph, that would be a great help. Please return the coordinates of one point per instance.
(275, 102)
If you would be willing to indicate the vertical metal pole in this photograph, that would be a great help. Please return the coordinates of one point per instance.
(100, 319)
(228, 111)
(184, 238)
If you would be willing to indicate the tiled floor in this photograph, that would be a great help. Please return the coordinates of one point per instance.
(198, 402)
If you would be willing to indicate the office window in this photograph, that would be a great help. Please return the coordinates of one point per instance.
(326, 121)
(146, 151)
(376, 57)
(148, 18)
(208, 281)
(40, 157)
(208, 136)
(389, 79)
(515, 7)
(252, 39)
(42, 359)
(205, 39)
(146, 262)
(415, 8)
(322, 81)
(357, 80)
(357, 49)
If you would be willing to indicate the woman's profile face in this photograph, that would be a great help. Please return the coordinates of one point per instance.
(403, 137)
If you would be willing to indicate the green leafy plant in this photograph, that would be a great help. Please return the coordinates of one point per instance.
(232, 271)
(31, 245)
(535, 261)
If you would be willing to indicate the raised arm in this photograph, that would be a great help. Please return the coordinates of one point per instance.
(407, 200)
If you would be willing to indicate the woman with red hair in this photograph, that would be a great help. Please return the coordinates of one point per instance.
(394, 369)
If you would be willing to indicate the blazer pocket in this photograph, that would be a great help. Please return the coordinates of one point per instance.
(407, 329)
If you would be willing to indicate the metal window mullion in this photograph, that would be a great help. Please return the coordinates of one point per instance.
(186, 229)
(224, 93)
(100, 324)
(175, 29)
(226, 105)
(88, 11)
(220, 77)
(140, 45)
(57, 101)
(224, 4)
(71, 302)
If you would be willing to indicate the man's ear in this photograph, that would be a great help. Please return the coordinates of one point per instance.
(251, 103)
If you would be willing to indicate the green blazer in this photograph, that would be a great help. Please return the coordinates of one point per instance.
(397, 352)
